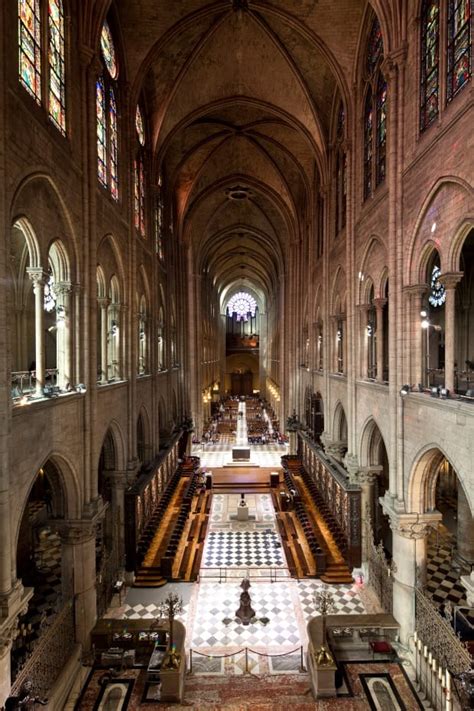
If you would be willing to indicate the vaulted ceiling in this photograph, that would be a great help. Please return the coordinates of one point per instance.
(241, 98)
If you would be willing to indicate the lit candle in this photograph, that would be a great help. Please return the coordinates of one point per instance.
(425, 651)
(448, 680)
(430, 658)
(440, 672)
(434, 665)
(415, 636)
(419, 646)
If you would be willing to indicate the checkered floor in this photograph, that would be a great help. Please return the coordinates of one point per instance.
(282, 611)
(443, 577)
(246, 548)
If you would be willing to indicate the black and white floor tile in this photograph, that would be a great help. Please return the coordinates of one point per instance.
(243, 549)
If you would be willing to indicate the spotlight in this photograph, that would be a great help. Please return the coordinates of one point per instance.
(434, 391)
(423, 314)
(405, 390)
(444, 393)
(425, 323)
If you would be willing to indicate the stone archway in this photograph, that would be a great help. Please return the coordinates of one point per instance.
(436, 486)
(375, 481)
(39, 556)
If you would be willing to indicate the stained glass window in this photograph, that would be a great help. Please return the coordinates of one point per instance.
(29, 29)
(381, 136)
(158, 219)
(429, 62)
(242, 304)
(139, 126)
(101, 131)
(368, 131)
(341, 171)
(459, 45)
(375, 113)
(57, 93)
(374, 47)
(107, 121)
(113, 145)
(139, 194)
(437, 295)
(108, 50)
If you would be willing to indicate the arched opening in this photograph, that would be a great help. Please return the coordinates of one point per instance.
(464, 326)
(314, 415)
(436, 486)
(242, 344)
(375, 459)
(39, 558)
(23, 351)
(109, 529)
(433, 324)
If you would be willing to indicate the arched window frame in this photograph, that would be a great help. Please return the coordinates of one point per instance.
(375, 112)
(107, 117)
(341, 170)
(459, 46)
(42, 55)
(139, 186)
(158, 221)
(429, 62)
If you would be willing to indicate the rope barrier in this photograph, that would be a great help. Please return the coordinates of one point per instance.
(246, 650)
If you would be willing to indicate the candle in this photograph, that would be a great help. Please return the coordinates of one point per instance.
(415, 636)
(448, 681)
(430, 658)
(440, 672)
(419, 646)
(434, 663)
(425, 651)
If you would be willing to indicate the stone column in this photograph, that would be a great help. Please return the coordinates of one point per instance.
(379, 306)
(79, 574)
(366, 480)
(119, 481)
(409, 533)
(414, 334)
(63, 291)
(38, 277)
(449, 282)
(103, 305)
(363, 354)
(465, 529)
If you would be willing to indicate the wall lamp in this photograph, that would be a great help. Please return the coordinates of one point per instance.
(405, 389)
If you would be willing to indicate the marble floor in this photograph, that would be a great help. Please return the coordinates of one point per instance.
(282, 608)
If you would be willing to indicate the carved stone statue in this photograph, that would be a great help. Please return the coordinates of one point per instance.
(26, 699)
(245, 613)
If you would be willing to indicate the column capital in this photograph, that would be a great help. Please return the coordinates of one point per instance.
(380, 303)
(351, 463)
(103, 302)
(76, 532)
(393, 61)
(61, 288)
(37, 275)
(415, 289)
(413, 526)
(450, 279)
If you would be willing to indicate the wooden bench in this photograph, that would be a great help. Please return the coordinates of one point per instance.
(202, 531)
(184, 561)
(301, 557)
(193, 530)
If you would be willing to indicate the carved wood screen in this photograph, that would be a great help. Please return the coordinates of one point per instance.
(142, 498)
(342, 498)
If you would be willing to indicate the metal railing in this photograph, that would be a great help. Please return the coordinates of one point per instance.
(49, 654)
(438, 635)
(23, 382)
(222, 575)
